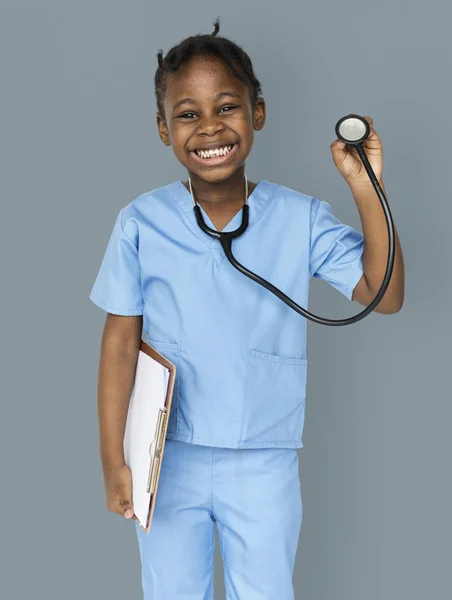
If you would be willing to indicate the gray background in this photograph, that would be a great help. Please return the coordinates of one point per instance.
(79, 141)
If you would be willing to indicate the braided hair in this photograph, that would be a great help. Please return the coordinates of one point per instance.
(205, 45)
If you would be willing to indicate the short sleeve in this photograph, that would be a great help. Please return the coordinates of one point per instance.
(335, 250)
(117, 288)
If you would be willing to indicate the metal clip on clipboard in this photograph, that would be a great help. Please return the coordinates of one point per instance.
(158, 439)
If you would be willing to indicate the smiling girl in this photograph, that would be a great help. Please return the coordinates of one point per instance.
(238, 408)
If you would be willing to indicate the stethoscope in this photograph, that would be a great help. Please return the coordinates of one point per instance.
(353, 130)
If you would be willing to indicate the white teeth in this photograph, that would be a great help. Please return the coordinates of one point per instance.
(217, 152)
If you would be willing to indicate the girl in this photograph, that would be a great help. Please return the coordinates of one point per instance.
(238, 406)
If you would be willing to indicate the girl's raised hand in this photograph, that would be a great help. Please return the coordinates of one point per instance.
(350, 165)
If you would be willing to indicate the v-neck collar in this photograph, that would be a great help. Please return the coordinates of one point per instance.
(257, 200)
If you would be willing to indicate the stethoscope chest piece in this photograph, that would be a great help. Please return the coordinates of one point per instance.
(352, 130)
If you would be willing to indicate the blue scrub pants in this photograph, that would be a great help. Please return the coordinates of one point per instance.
(254, 497)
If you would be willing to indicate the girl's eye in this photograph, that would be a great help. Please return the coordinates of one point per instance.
(229, 107)
(187, 114)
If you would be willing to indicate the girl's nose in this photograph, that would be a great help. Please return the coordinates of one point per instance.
(210, 125)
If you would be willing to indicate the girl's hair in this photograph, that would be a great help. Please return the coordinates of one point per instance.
(205, 45)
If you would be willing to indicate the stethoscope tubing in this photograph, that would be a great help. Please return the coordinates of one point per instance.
(226, 238)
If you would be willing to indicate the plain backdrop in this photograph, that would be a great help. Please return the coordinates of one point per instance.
(79, 141)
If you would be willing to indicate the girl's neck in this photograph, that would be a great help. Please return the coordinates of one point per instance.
(228, 194)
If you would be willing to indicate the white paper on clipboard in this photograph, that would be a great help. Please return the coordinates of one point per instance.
(146, 400)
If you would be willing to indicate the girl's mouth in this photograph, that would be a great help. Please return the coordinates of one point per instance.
(214, 156)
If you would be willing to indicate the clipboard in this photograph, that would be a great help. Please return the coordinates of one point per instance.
(146, 426)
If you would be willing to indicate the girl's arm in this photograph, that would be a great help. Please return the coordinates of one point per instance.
(120, 346)
(375, 254)
(375, 232)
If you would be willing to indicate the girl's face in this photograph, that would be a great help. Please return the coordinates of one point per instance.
(207, 108)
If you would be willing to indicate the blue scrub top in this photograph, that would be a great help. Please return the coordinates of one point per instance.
(240, 351)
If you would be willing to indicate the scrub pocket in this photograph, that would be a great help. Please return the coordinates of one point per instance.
(171, 351)
(274, 398)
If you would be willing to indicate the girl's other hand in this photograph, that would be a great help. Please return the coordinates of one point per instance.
(118, 490)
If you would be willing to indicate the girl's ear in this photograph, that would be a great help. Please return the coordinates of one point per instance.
(163, 130)
(259, 114)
